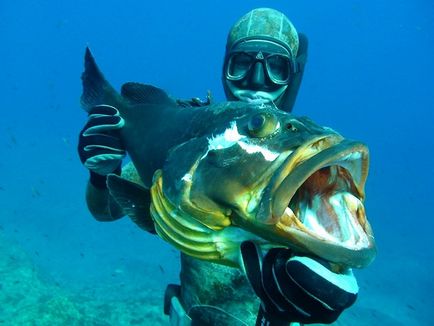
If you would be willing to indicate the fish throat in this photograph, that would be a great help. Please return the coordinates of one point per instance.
(327, 205)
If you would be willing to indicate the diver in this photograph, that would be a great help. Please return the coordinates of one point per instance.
(264, 61)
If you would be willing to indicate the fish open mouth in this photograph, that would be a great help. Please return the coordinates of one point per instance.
(316, 201)
(328, 206)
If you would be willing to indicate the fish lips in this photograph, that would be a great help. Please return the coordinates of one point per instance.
(274, 212)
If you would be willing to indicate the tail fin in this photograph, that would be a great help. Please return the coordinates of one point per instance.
(96, 89)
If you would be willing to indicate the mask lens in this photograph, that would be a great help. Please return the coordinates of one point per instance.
(239, 65)
(279, 68)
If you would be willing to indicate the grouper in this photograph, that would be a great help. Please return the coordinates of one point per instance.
(212, 177)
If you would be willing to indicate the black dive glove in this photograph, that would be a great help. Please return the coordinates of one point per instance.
(296, 289)
(99, 146)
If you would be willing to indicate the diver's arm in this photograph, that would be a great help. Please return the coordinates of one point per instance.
(100, 203)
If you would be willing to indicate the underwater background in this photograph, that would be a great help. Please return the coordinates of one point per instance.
(370, 76)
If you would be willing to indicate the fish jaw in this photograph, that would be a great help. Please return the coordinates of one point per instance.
(314, 204)
(357, 250)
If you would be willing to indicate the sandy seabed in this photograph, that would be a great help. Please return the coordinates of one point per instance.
(27, 297)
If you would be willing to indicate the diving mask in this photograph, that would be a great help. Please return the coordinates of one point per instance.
(276, 61)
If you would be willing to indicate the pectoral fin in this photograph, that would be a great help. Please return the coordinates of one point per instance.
(134, 199)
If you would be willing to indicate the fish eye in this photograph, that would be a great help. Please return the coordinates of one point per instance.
(262, 125)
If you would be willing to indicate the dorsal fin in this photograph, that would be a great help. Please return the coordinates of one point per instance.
(96, 89)
(137, 93)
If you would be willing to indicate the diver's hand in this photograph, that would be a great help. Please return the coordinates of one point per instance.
(99, 146)
(296, 289)
(196, 101)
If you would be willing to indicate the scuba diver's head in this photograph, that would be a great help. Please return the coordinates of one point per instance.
(261, 59)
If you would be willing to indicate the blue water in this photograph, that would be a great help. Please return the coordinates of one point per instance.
(370, 75)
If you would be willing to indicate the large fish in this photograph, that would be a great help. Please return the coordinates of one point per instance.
(214, 176)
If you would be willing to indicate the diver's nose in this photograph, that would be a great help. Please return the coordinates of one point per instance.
(257, 78)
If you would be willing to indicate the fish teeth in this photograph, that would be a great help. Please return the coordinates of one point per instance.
(342, 225)
(288, 217)
(352, 233)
